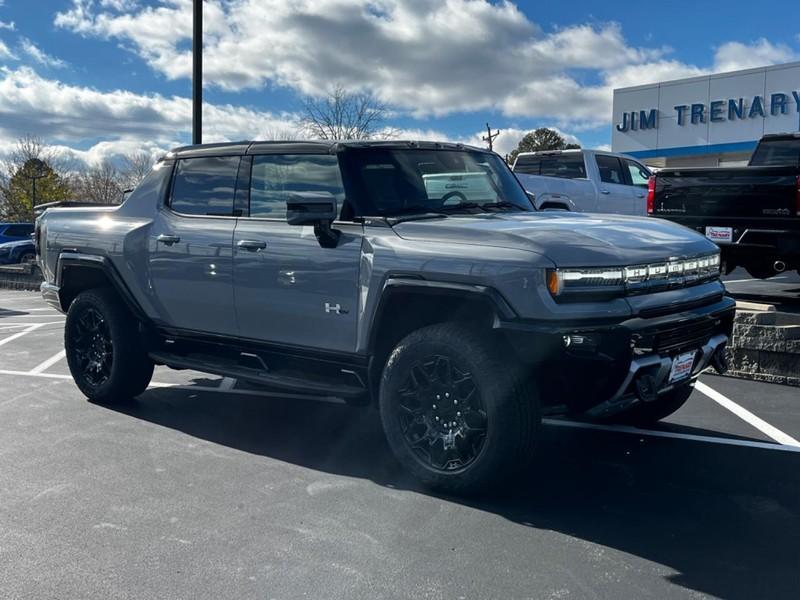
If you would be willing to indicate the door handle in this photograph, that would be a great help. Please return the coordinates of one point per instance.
(168, 240)
(606, 192)
(251, 245)
(640, 195)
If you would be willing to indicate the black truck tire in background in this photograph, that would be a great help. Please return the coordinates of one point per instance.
(103, 347)
(455, 411)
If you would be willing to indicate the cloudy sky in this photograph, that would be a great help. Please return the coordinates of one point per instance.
(107, 77)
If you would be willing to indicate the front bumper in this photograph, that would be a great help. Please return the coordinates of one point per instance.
(593, 368)
(50, 293)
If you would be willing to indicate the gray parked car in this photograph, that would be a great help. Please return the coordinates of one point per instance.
(584, 180)
(331, 269)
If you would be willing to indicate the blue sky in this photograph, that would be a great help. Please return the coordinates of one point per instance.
(106, 77)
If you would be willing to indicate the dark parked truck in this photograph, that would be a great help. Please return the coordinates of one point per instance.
(752, 213)
(336, 269)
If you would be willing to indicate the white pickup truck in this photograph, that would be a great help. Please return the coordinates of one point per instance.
(584, 180)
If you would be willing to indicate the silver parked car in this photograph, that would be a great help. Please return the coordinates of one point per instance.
(584, 180)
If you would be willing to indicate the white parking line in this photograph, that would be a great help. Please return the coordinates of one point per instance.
(744, 414)
(43, 366)
(707, 439)
(11, 338)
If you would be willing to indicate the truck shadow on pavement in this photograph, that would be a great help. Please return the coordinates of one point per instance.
(726, 519)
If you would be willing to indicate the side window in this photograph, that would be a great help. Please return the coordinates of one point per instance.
(639, 175)
(275, 176)
(19, 230)
(205, 186)
(610, 169)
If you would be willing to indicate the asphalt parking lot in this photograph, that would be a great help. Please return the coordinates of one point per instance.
(205, 488)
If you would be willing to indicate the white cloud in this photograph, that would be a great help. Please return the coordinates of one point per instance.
(10, 25)
(420, 57)
(122, 121)
(40, 56)
(734, 56)
(5, 52)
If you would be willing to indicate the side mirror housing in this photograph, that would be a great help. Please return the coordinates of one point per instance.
(311, 208)
(314, 208)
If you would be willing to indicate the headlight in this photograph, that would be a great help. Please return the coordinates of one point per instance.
(596, 283)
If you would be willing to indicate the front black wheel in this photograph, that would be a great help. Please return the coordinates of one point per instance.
(104, 351)
(456, 414)
(644, 414)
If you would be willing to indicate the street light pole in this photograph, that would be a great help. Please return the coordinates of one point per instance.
(197, 74)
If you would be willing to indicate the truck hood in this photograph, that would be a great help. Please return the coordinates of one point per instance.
(566, 238)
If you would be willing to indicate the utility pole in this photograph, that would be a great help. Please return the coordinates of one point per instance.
(197, 74)
(489, 137)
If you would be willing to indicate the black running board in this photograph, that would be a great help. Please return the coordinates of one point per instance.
(227, 368)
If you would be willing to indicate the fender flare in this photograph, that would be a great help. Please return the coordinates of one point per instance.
(417, 285)
(68, 260)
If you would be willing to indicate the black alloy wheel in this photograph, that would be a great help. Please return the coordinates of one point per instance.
(93, 347)
(457, 410)
(441, 415)
(104, 348)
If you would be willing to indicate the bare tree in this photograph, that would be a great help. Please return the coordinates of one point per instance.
(134, 168)
(101, 184)
(344, 116)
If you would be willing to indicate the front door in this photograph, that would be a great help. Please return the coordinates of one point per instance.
(191, 248)
(615, 195)
(290, 290)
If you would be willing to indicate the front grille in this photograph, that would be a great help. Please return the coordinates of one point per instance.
(676, 338)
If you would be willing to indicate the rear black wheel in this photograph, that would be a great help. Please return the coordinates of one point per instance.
(104, 351)
(760, 270)
(648, 413)
(454, 411)
(27, 257)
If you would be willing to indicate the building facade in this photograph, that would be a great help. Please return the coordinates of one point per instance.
(713, 120)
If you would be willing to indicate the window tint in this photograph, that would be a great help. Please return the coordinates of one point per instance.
(567, 166)
(639, 175)
(610, 169)
(18, 230)
(777, 153)
(276, 176)
(205, 186)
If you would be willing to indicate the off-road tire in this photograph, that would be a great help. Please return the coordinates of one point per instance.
(128, 367)
(647, 413)
(510, 405)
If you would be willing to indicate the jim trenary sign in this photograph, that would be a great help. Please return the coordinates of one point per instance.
(715, 111)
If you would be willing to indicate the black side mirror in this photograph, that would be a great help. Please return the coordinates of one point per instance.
(314, 208)
(310, 208)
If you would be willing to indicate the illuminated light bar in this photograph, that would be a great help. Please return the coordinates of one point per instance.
(634, 278)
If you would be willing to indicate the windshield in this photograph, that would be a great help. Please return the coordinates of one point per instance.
(401, 182)
(777, 153)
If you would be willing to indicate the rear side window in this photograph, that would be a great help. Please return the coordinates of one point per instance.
(18, 230)
(638, 174)
(610, 169)
(565, 166)
(276, 176)
(205, 186)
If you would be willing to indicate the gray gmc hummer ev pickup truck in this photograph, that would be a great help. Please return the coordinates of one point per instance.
(413, 276)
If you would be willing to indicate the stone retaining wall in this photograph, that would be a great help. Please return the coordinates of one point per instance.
(20, 277)
(766, 346)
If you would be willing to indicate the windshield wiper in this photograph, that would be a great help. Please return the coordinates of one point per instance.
(410, 213)
(501, 204)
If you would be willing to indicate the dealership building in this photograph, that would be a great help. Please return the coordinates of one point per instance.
(714, 120)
